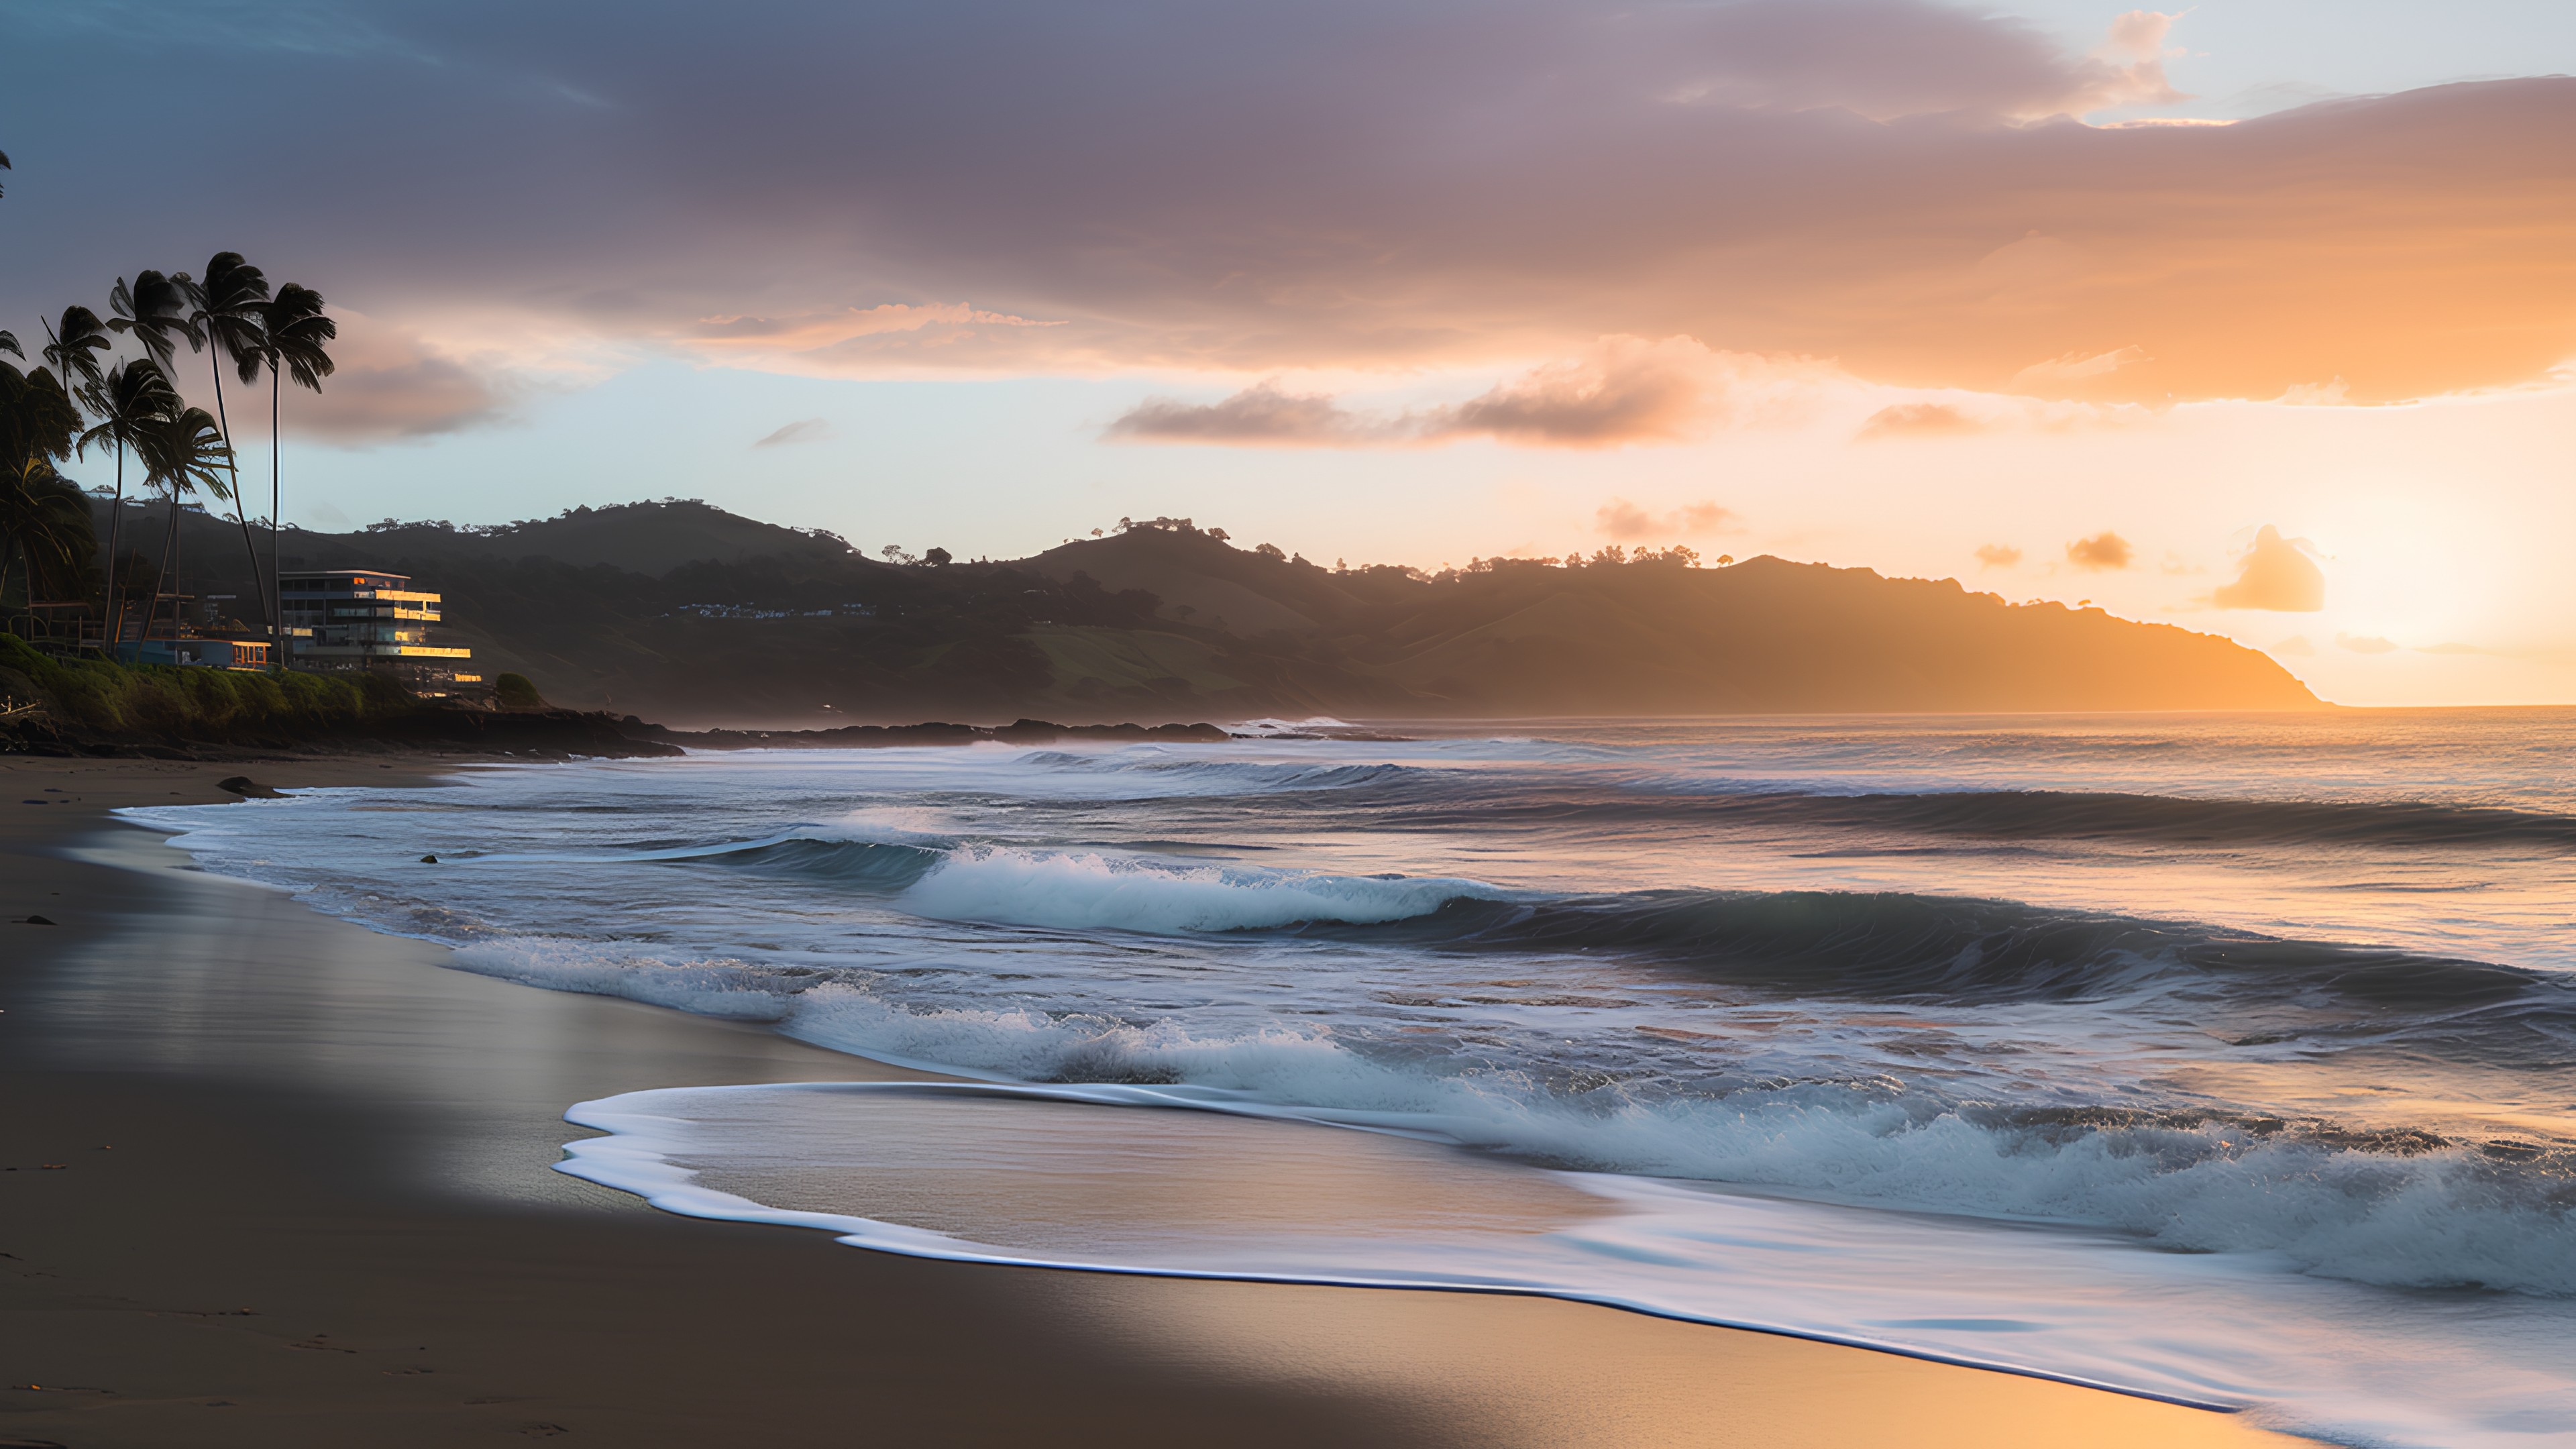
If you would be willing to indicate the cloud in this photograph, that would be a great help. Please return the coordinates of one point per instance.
(828, 341)
(1262, 413)
(804, 430)
(2296, 644)
(1622, 390)
(1398, 184)
(2105, 550)
(388, 384)
(2315, 394)
(2277, 575)
(1625, 521)
(2072, 371)
(1892, 61)
(1626, 390)
(1997, 555)
(1918, 420)
(2365, 644)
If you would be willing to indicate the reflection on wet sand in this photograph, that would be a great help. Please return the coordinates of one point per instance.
(1141, 1186)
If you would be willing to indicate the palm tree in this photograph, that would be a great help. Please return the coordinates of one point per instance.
(36, 420)
(45, 518)
(38, 427)
(127, 401)
(230, 305)
(293, 336)
(77, 344)
(155, 310)
(180, 452)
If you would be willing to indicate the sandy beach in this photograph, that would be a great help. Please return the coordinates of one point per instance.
(273, 1179)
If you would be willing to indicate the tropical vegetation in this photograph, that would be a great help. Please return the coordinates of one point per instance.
(99, 697)
(82, 397)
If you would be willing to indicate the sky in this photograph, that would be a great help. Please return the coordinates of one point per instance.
(2257, 317)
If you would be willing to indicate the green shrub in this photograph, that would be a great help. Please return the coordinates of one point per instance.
(514, 691)
(105, 697)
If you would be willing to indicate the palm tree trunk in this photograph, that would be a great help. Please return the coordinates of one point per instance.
(115, 518)
(276, 580)
(161, 574)
(232, 465)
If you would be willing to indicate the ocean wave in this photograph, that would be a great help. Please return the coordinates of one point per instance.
(1089, 890)
(1163, 774)
(2053, 814)
(2394, 1210)
(1270, 726)
(854, 856)
(1956, 950)
(2409, 1213)
(1887, 946)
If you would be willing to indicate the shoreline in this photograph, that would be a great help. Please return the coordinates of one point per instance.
(260, 1108)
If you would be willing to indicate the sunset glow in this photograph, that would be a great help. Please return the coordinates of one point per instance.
(1550, 724)
(1875, 282)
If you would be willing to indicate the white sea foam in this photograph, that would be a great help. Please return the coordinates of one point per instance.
(1273, 725)
(1152, 771)
(2229, 1328)
(1085, 890)
(2438, 1219)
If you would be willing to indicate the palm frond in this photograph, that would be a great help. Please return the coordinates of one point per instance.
(155, 309)
(183, 452)
(298, 335)
(231, 309)
(128, 401)
(79, 341)
(36, 419)
(48, 517)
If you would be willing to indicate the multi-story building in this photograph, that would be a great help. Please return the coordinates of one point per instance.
(369, 619)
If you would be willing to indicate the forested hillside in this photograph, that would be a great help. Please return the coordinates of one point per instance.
(680, 611)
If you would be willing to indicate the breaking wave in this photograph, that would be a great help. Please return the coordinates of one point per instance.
(1889, 946)
(1083, 890)
(1154, 773)
(2394, 1209)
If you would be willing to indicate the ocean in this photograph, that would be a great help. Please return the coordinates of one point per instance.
(2228, 1060)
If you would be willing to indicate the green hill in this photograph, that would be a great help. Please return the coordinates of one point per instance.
(683, 612)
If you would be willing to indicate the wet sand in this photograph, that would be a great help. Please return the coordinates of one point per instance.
(276, 1180)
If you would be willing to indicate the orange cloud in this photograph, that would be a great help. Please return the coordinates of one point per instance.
(822, 341)
(389, 384)
(1262, 413)
(2105, 550)
(2406, 245)
(1902, 186)
(1918, 420)
(1625, 521)
(1623, 390)
(2275, 575)
(1997, 555)
(1627, 390)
